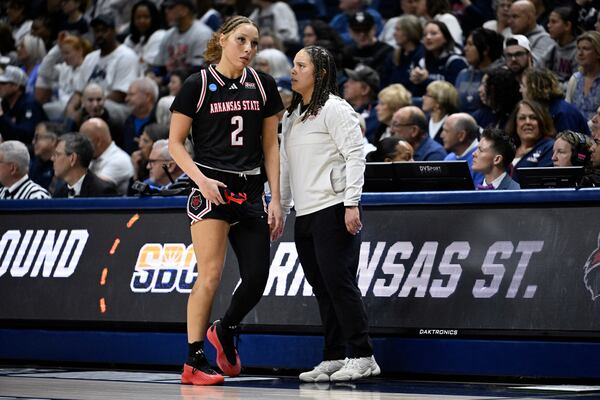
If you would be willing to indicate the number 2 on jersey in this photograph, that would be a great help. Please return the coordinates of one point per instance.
(236, 136)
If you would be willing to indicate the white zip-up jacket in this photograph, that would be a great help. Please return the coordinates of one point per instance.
(322, 158)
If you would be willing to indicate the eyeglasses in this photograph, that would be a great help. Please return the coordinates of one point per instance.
(399, 124)
(41, 137)
(150, 162)
(515, 55)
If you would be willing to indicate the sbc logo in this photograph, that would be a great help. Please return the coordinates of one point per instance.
(162, 268)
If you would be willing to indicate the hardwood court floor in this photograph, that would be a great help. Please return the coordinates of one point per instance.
(67, 384)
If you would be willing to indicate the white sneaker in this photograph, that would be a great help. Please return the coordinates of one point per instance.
(356, 368)
(323, 371)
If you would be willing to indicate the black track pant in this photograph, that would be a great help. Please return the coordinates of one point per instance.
(329, 257)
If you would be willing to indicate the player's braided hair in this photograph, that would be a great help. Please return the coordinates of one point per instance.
(325, 81)
(213, 47)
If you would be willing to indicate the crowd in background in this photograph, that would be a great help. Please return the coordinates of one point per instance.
(86, 85)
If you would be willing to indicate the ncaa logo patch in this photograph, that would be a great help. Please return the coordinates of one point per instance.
(212, 87)
(196, 201)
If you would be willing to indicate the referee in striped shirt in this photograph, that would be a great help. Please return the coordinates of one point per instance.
(14, 166)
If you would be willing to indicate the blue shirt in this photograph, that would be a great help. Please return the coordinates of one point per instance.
(429, 150)
(477, 176)
(587, 105)
(539, 156)
(566, 116)
(467, 85)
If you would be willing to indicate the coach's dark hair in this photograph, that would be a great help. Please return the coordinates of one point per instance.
(501, 143)
(325, 81)
(80, 145)
(213, 47)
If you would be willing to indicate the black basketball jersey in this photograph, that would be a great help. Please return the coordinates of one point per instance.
(228, 116)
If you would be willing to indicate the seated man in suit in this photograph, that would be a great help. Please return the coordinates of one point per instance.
(71, 159)
(492, 158)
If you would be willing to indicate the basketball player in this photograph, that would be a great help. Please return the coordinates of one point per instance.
(321, 133)
(232, 112)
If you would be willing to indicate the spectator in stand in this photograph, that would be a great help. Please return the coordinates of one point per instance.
(563, 29)
(30, 52)
(73, 50)
(17, 13)
(160, 158)
(391, 149)
(542, 86)
(360, 90)
(410, 50)
(110, 162)
(350, 7)
(439, 10)
(591, 176)
(113, 66)
(499, 94)
(391, 99)
(208, 15)
(268, 40)
(183, 45)
(388, 35)
(73, 22)
(483, 50)
(475, 13)
(273, 62)
(409, 123)
(517, 55)
(44, 144)
(523, 21)
(572, 149)
(583, 89)
(442, 61)
(145, 33)
(530, 127)
(44, 27)
(278, 17)
(317, 30)
(71, 161)
(500, 24)
(141, 98)
(19, 112)
(163, 107)
(439, 101)
(7, 44)
(139, 158)
(460, 138)
(14, 166)
(493, 158)
(365, 48)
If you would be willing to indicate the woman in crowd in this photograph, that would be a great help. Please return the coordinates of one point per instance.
(440, 100)
(145, 34)
(391, 99)
(30, 52)
(273, 62)
(482, 49)
(391, 149)
(163, 112)
(442, 60)
(231, 146)
(439, 10)
(410, 50)
(500, 24)
(531, 128)
(542, 86)
(572, 149)
(322, 131)
(563, 28)
(583, 90)
(499, 93)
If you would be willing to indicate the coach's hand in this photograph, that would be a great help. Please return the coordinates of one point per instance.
(352, 219)
(210, 190)
(275, 220)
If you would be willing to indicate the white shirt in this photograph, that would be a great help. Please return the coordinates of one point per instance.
(77, 186)
(113, 72)
(496, 182)
(279, 18)
(434, 127)
(114, 165)
(148, 51)
(322, 158)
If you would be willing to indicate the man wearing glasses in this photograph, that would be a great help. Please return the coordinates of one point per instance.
(409, 123)
(162, 169)
(517, 55)
(14, 169)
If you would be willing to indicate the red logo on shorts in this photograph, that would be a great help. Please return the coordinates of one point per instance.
(196, 202)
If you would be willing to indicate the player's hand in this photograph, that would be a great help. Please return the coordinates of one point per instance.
(210, 190)
(275, 220)
(352, 219)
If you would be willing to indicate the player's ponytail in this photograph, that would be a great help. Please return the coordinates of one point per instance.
(213, 47)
